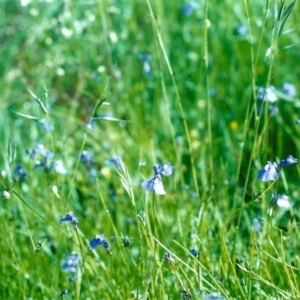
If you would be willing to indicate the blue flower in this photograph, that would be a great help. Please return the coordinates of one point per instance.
(100, 240)
(214, 296)
(154, 183)
(71, 263)
(269, 172)
(46, 126)
(70, 218)
(20, 172)
(167, 169)
(289, 89)
(267, 94)
(146, 59)
(195, 252)
(86, 157)
(282, 201)
(290, 160)
(188, 8)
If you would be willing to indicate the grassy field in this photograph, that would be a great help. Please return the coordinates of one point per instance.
(94, 93)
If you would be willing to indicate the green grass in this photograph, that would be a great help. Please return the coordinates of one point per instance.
(198, 109)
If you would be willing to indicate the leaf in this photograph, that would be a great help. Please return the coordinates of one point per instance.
(286, 15)
(40, 103)
(25, 116)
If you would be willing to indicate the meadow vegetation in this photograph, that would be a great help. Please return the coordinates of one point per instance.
(96, 92)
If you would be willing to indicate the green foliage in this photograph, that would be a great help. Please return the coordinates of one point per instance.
(75, 77)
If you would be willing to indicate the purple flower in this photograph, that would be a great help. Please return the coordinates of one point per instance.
(269, 172)
(70, 218)
(71, 263)
(100, 240)
(290, 160)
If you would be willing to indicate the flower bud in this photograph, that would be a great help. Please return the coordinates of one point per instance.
(5, 195)
(3, 174)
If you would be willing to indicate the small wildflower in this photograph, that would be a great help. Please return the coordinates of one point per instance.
(214, 296)
(188, 8)
(282, 201)
(54, 190)
(64, 292)
(20, 173)
(59, 168)
(289, 89)
(46, 126)
(290, 160)
(73, 278)
(154, 183)
(274, 110)
(146, 59)
(267, 94)
(256, 225)
(269, 172)
(100, 240)
(70, 218)
(242, 30)
(71, 263)
(195, 253)
(40, 150)
(115, 161)
(87, 158)
(5, 195)
(167, 169)
(126, 241)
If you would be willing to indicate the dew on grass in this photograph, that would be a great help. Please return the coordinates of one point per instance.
(70, 264)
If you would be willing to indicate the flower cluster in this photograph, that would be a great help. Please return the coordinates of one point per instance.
(270, 171)
(44, 159)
